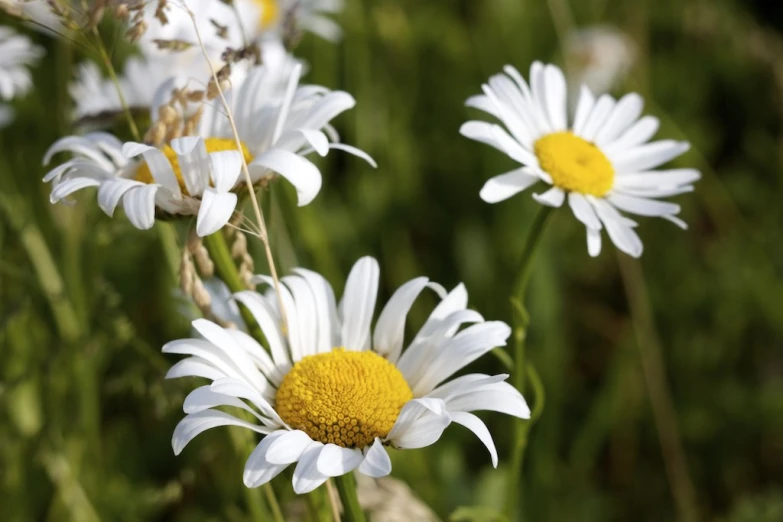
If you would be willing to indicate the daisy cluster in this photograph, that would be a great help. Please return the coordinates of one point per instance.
(326, 387)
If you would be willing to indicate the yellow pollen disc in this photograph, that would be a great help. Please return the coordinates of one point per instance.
(269, 10)
(144, 175)
(575, 164)
(346, 398)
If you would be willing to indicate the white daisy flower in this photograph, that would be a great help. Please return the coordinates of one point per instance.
(601, 57)
(329, 396)
(603, 162)
(192, 175)
(272, 17)
(16, 53)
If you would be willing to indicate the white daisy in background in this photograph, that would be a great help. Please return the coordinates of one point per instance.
(602, 162)
(17, 52)
(156, 69)
(144, 74)
(599, 57)
(333, 392)
(184, 178)
(272, 17)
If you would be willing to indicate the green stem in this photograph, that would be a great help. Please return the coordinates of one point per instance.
(113, 75)
(346, 486)
(529, 252)
(271, 500)
(521, 322)
(220, 254)
(227, 271)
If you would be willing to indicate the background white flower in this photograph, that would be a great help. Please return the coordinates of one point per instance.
(602, 161)
(329, 395)
(599, 57)
(17, 52)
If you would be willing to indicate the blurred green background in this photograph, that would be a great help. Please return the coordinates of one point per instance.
(86, 301)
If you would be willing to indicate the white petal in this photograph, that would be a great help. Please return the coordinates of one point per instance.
(648, 156)
(464, 348)
(288, 448)
(317, 140)
(376, 461)
(621, 234)
(242, 390)
(69, 186)
(583, 211)
(246, 370)
(269, 322)
(583, 109)
(421, 422)
(159, 165)
(658, 178)
(390, 328)
(640, 132)
(555, 97)
(193, 163)
(204, 398)
(306, 475)
(475, 425)
(355, 152)
(506, 185)
(258, 470)
(626, 112)
(302, 174)
(421, 354)
(335, 461)
(139, 205)
(111, 191)
(455, 301)
(195, 424)
(226, 167)
(305, 343)
(643, 206)
(593, 242)
(492, 396)
(326, 310)
(194, 367)
(553, 197)
(601, 110)
(215, 211)
(358, 304)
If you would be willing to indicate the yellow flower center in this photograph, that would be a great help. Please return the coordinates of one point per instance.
(269, 10)
(346, 398)
(144, 175)
(575, 164)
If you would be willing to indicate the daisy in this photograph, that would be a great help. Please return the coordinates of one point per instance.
(603, 162)
(332, 393)
(16, 53)
(186, 178)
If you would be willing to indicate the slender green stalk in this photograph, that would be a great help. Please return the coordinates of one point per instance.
(528, 253)
(274, 505)
(520, 323)
(227, 271)
(346, 487)
(113, 75)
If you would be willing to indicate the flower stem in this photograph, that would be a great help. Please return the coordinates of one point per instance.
(521, 321)
(116, 81)
(227, 271)
(274, 505)
(529, 252)
(346, 487)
